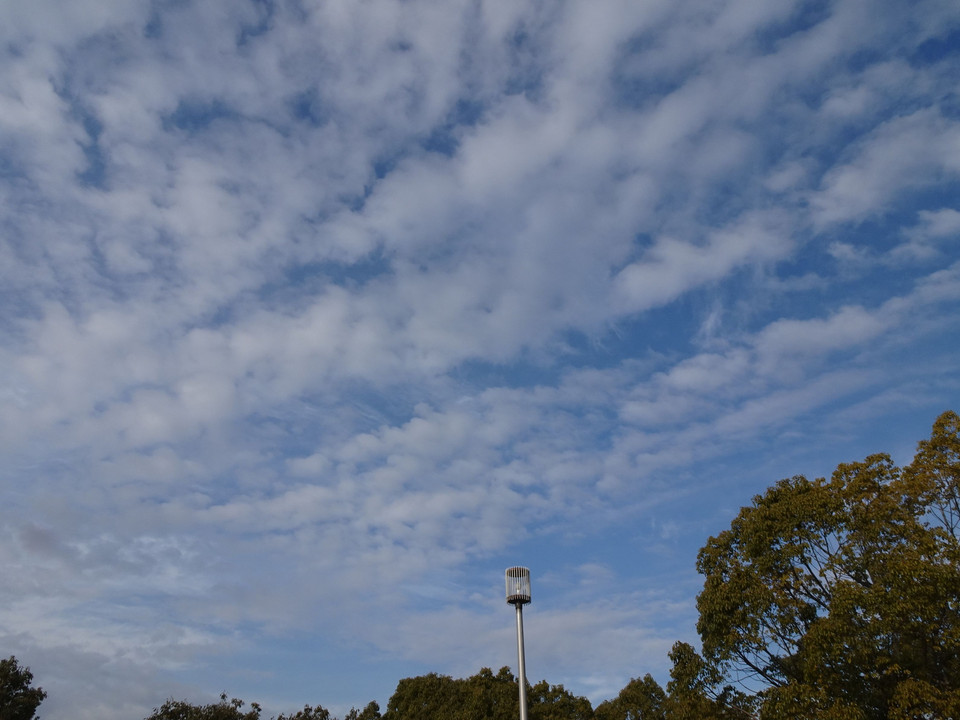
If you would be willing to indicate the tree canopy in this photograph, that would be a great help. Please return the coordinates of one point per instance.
(483, 696)
(839, 598)
(233, 709)
(695, 692)
(224, 710)
(18, 700)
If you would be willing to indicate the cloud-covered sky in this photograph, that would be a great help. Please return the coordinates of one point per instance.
(317, 315)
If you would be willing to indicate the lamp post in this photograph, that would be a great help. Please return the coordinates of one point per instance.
(518, 595)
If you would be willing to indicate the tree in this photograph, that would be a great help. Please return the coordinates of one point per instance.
(695, 692)
(489, 696)
(224, 710)
(232, 709)
(839, 598)
(424, 697)
(18, 701)
(318, 712)
(639, 700)
(555, 702)
(483, 696)
(370, 712)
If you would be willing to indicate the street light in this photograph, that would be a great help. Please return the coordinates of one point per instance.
(518, 595)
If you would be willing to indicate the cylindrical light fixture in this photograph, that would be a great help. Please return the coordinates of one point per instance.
(518, 595)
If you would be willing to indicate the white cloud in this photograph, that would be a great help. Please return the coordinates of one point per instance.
(935, 227)
(670, 267)
(943, 223)
(900, 156)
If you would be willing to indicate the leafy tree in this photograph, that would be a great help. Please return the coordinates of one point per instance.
(838, 598)
(489, 696)
(639, 700)
(18, 701)
(317, 712)
(224, 710)
(554, 702)
(232, 709)
(370, 712)
(696, 690)
(484, 696)
(427, 696)
(693, 693)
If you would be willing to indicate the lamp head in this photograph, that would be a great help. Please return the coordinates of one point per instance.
(518, 585)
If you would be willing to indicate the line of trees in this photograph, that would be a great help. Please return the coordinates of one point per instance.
(831, 598)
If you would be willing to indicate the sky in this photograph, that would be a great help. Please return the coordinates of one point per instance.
(315, 316)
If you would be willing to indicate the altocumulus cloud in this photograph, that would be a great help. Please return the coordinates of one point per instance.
(317, 315)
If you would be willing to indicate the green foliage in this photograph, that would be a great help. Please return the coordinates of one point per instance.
(427, 696)
(696, 690)
(484, 696)
(232, 709)
(639, 700)
(554, 702)
(224, 710)
(370, 712)
(693, 693)
(838, 599)
(18, 701)
(308, 713)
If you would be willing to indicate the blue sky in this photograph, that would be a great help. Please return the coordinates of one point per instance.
(316, 316)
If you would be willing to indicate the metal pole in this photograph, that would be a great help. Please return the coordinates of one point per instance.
(522, 680)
